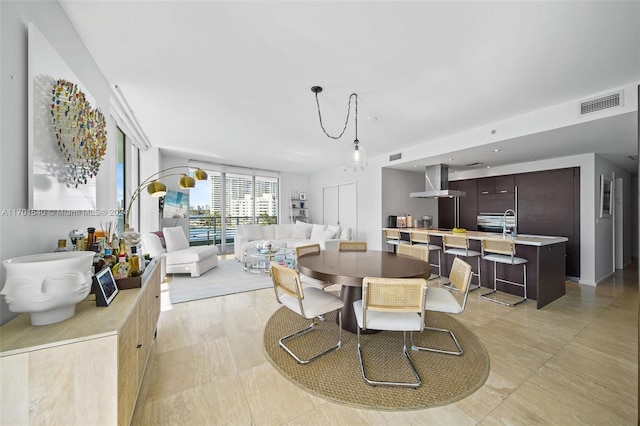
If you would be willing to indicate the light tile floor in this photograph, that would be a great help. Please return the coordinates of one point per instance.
(574, 362)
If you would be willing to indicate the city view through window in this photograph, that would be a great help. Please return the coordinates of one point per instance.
(244, 199)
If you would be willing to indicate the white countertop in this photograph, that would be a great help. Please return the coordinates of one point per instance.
(524, 239)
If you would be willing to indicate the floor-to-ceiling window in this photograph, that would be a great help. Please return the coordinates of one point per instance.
(120, 178)
(233, 196)
(127, 179)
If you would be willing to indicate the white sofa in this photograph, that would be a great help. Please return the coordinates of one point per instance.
(178, 256)
(289, 235)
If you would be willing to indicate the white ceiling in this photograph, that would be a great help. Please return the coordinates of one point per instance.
(230, 82)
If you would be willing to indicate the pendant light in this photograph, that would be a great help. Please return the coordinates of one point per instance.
(357, 158)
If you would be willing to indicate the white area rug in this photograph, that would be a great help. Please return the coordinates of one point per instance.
(227, 278)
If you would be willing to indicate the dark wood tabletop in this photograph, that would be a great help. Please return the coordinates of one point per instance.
(350, 267)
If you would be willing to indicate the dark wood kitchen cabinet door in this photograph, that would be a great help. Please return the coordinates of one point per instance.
(469, 204)
(486, 186)
(446, 209)
(505, 184)
(549, 204)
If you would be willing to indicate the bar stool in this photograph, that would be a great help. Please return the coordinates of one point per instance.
(393, 238)
(422, 238)
(458, 245)
(499, 250)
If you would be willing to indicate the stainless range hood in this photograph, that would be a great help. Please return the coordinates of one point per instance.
(437, 183)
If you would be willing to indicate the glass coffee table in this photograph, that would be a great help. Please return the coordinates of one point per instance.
(259, 261)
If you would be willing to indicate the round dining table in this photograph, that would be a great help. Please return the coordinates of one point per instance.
(348, 268)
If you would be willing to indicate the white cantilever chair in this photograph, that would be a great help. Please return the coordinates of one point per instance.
(308, 302)
(500, 250)
(392, 304)
(443, 300)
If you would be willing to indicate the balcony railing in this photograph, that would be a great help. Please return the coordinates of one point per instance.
(207, 230)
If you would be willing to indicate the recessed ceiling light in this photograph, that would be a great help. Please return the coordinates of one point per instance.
(488, 167)
(496, 150)
(450, 159)
(372, 118)
(493, 132)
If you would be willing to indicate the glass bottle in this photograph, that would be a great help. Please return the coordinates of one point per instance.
(62, 246)
(123, 248)
(121, 269)
(90, 238)
(134, 263)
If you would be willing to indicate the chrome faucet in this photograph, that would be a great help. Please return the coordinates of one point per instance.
(504, 223)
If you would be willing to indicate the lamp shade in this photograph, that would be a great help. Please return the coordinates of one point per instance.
(157, 189)
(200, 174)
(187, 182)
(357, 158)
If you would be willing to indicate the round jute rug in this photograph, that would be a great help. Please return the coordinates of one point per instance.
(337, 377)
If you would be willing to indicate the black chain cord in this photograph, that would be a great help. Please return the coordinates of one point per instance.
(346, 122)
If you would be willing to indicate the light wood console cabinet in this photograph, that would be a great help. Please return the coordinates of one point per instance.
(84, 370)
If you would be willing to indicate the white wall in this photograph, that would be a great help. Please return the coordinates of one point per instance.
(20, 234)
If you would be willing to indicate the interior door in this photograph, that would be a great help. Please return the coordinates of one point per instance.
(330, 203)
(340, 206)
(347, 211)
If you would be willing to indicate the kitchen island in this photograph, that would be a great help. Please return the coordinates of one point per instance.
(546, 268)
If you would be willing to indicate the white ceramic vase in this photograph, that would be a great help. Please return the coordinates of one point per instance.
(131, 237)
(48, 286)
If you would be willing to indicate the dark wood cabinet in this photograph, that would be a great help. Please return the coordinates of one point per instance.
(496, 185)
(505, 184)
(468, 210)
(447, 209)
(548, 204)
(486, 186)
(467, 206)
(496, 194)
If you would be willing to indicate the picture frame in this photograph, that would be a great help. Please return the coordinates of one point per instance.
(605, 197)
(303, 195)
(104, 287)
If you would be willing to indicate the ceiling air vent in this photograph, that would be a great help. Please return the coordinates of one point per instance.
(394, 157)
(605, 102)
(473, 164)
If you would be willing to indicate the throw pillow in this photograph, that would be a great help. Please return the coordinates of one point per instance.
(269, 232)
(253, 232)
(328, 235)
(335, 229)
(317, 232)
(302, 230)
(151, 244)
(284, 231)
(161, 235)
(175, 238)
(345, 234)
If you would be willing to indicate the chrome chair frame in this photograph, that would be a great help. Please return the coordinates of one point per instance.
(460, 278)
(362, 306)
(276, 270)
(503, 251)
